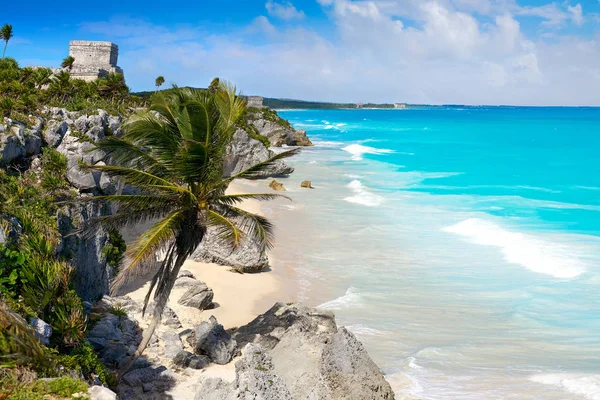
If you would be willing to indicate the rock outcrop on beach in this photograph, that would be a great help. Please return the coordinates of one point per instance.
(245, 152)
(279, 133)
(304, 351)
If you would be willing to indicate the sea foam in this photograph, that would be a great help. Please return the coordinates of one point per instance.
(362, 195)
(350, 299)
(534, 253)
(358, 150)
(587, 386)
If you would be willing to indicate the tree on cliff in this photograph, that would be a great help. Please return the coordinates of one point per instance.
(159, 81)
(67, 62)
(6, 34)
(173, 154)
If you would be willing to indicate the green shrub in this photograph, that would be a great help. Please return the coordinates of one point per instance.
(117, 310)
(114, 249)
(54, 169)
(42, 389)
(84, 361)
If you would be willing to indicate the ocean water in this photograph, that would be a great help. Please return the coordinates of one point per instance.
(460, 245)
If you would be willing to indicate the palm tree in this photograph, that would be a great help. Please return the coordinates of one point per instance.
(159, 81)
(173, 154)
(113, 85)
(6, 34)
(67, 62)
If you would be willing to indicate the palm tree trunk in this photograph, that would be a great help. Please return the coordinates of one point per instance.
(4, 52)
(159, 306)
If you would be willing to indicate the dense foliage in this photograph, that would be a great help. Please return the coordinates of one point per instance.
(25, 90)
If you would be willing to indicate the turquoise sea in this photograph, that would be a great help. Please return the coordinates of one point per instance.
(460, 244)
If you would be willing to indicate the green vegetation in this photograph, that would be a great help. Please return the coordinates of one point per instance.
(19, 385)
(173, 153)
(159, 82)
(67, 62)
(25, 90)
(114, 250)
(6, 34)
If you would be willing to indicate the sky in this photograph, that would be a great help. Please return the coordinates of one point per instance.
(517, 52)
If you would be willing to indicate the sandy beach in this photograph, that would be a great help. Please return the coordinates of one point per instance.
(239, 297)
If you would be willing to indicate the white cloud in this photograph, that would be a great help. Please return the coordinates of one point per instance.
(576, 13)
(442, 53)
(285, 11)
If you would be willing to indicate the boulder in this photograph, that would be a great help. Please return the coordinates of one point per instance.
(101, 393)
(55, 132)
(212, 340)
(280, 134)
(244, 152)
(185, 282)
(276, 185)
(185, 359)
(169, 318)
(184, 273)
(33, 143)
(12, 145)
(172, 343)
(255, 380)
(159, 376)
(198, 296)
(306, 184)
(42, 330)
(247, 257)
(314, 358)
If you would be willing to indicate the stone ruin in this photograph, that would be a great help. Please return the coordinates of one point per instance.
(93, 60)
(255, 101)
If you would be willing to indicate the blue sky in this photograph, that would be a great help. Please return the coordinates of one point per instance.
(534, 52)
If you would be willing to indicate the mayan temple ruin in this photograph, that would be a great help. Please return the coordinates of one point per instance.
(93, 60)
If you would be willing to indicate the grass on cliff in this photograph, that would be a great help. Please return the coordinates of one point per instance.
(24, 91)
(35, 280)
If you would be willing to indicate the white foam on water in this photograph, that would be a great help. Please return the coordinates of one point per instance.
(362, 195)
(350, 299)
(532, 252)
(328, 144)
(363, 330)
(358, 150)
(584, 385)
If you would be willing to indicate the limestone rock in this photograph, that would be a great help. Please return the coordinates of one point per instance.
(159, 376)
(172, 343)
(198, 296)
(55, 131)
(306, 184)
(169, 318)
(101, 393)
(212, 340)
(255, 380)
(279, 134)
(185, 282)
(42, 330)
(12, 145)
(185, 359)
(276, 185)
(314, 358)
(247, 257)
(244, 152)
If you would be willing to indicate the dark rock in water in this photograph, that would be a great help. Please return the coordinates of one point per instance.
(276, 185)
(212, 340)
(185, 359)
(198, 296)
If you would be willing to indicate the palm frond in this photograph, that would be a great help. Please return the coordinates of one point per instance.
(232, 199)
(226, 229)
(258, 227)
(147, 245)
(258, 170)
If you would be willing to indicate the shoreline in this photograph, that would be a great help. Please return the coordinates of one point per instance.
(239, 297)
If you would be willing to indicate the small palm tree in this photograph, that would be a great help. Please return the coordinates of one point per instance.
(173, 154)
(6, 34)
(68, 62)
(113, 85)
(159, 82)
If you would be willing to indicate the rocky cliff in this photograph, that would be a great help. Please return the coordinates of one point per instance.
(276, 129)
